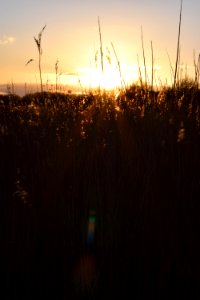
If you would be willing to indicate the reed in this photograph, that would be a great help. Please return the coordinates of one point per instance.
(38, 42)
(56, 70)
(196, 69)
(99, 196)
(101, 45)
(171, 67)
(144, 58)
(128, 165)
(152, 66)
(139, 70)
(178, 47)
(119, 67)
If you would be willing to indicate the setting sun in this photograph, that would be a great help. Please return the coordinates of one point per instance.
(99, 149)
(92, 78)
(108, 79)
(75, 42)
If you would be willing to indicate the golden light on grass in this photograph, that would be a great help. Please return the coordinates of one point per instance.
(89, 78)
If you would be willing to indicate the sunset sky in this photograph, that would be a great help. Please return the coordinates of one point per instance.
(72, 37)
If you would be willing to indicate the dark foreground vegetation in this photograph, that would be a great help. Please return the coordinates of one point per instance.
(133, 163)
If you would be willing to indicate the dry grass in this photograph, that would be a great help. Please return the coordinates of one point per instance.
(134, 161)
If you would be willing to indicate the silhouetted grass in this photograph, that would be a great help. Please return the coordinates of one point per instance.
(134, 161)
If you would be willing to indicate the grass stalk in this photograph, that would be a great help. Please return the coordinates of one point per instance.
(178, 46)
(101, 45)
(38, 42)
(56, 69)
(119, 67)
(171, 67)
(152, 65)
(196, 69)
(79, 82)
(140, 73)
(144, 58)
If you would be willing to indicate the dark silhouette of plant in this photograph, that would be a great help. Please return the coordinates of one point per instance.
(178, 46)
(123, 84)
(38, 42)
(101, 45)
(56, 69)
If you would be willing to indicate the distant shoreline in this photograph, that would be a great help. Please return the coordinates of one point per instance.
(23, 89)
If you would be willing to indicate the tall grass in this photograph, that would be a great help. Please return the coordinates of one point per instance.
(38, 42)
(152, 66)
(101, 46)
(136, 165)
(125, 168)
(144, 58)
(123, 84)
(178, 47)
(56, 70)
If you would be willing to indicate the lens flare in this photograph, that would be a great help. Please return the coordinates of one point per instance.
(91, 227)
(85, 271)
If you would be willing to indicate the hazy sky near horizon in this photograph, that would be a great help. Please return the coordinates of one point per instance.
(72, 37)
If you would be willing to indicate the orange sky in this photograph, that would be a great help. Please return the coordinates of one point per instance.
(72, 37)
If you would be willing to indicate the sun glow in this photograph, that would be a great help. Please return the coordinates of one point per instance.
(109, 78)
(112, 78)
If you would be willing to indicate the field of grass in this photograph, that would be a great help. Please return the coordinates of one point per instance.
(100, 196)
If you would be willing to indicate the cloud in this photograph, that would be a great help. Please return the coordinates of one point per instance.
(7, 40)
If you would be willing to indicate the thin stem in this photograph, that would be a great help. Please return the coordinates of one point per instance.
(178, 46)
(40, 71)
(198, 69)
(101, 45)
(119, 67)
(152, 64)
(56, 69)
(172, 70)
(38, 43)
(144, 59)
(140, 73)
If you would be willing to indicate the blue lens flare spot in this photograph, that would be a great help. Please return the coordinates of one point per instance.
(91, 227)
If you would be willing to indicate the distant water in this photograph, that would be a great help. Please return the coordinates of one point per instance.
(22, 89)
